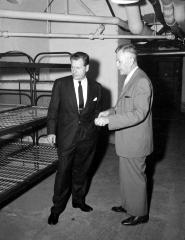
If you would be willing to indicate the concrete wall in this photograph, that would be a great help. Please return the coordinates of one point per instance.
(101, 52)
(29, 45)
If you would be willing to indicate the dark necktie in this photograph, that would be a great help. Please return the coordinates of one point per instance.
(80, 95)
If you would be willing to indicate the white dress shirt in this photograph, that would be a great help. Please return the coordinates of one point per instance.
(127, 79)
(84, 88)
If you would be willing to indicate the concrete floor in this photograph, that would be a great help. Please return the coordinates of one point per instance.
(25, 218)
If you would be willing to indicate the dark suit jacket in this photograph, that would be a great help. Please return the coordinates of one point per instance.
(63, 116)
(133, 118)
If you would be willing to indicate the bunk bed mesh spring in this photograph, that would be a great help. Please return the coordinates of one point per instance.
(21, 116)
(19, 162)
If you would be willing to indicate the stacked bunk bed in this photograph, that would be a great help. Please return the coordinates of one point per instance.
(24, 163)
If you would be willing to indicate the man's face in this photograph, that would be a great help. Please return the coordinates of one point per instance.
(123, 62)
(78, 69)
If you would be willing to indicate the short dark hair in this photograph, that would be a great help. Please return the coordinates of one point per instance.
(127, 48)
(80, 55)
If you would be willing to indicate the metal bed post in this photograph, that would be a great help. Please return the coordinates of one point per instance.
(24, 164)
(30, 60)
(37, 73)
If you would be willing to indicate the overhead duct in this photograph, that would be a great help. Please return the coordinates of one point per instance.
(56, 17)
(169, 17)
(158, 12)
(135, 24)
(168, 11)
(179, 12)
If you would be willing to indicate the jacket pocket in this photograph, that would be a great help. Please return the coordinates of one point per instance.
(128, 104)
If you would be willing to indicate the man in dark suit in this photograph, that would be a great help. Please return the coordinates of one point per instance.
(132, 120)
(75, 103)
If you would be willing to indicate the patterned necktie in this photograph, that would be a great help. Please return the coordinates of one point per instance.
(80, 95)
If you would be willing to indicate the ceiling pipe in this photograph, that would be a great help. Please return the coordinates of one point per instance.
(6, 34)
(179, 12)
(134, 19)
(158, 13)
(135, 23)
(169, 17)
(168, 11)
(62, 18)
(162, 53)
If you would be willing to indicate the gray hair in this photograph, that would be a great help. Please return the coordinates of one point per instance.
(127, 48)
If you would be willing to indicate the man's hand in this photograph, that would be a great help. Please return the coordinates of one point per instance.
(101, 121)
(51, 139)
(104, 114)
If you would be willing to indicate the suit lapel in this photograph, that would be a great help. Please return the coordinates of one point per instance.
(130, 83)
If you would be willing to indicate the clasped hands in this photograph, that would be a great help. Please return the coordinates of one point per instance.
(102, 119)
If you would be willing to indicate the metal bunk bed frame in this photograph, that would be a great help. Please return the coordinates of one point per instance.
(24, 164)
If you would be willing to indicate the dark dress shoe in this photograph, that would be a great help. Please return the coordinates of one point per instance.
(53, 219)
(118, 209)
(84, 207)
(135, 220)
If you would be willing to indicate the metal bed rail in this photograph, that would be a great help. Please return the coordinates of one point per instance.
(32, 67)
(47, 84)
(22, 165)
(5, 107)
(22, 118)
(18, 55)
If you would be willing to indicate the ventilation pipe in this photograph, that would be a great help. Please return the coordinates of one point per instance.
(134, 19)
(6, 34)
(169, 17)
(135, 24)
(179, 12)
(56, 17)
(158, 12)
(168, 11)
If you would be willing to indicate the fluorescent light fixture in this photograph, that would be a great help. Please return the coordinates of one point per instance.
(124, 1)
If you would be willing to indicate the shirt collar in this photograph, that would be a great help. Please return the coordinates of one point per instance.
(132, 72)
(127, 79)
(84, 79)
